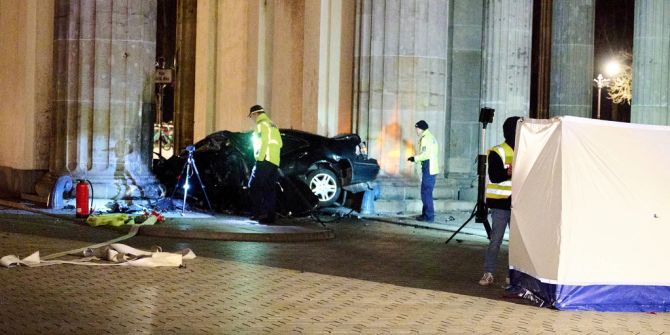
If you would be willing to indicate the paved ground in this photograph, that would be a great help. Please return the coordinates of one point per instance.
(371, 278)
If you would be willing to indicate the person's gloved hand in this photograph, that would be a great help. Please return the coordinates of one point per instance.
(411, 159)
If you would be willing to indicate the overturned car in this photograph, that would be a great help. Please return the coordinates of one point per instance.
(325, 166)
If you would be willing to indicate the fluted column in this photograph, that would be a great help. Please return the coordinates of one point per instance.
(506, 61)
(401, 63)
(651, 60)
(571, 85)
(104, 62)
(185, 76)
(463, 88)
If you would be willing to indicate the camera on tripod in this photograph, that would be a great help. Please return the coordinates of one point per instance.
(486, 116)
(480, 212)
(187, 171)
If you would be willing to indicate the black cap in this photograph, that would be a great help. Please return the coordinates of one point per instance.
(256, 109)
(421, 125)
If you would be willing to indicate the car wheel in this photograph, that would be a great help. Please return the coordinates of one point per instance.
(325, 185)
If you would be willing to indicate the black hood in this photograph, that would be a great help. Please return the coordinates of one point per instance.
(509, 130)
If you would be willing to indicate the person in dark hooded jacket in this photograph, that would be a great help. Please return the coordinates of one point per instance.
(499, 195)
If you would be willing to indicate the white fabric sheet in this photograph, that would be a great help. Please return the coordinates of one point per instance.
(591, 202)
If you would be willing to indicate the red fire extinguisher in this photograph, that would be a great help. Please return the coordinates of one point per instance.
(81, 191)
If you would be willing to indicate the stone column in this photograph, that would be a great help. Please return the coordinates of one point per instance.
(506, 62)
(26, 36)
(327, 65)
(234, 64)
(293, 57)
(651, 59)
(572, 58)
(185, 75)
(401, 63)
(104, 60)
(463, 88)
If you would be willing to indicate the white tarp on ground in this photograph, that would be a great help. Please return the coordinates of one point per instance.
(591, 214)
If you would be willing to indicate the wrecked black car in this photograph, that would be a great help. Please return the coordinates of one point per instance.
(325, 166)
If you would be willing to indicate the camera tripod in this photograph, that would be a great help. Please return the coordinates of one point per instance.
(480, 212)
(186, 172)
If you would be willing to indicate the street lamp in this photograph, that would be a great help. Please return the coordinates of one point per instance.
(612, 69)
(600, 83)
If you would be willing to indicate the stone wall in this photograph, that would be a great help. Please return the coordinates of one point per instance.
(401, 78)
(26, 36)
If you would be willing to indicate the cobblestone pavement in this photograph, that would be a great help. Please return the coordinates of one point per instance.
(372, 278)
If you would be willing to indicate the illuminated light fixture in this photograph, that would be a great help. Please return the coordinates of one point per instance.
(256, 143)
(612, 68)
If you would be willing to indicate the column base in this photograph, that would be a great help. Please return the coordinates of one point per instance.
(14, 182)
(104, 188)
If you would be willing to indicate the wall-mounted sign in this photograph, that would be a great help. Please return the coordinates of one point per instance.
(163, 76)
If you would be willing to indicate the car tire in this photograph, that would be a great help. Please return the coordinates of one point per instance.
(325, 185)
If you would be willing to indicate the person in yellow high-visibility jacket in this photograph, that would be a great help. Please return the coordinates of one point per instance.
(429, 160)
(499, 195)
(265, 174)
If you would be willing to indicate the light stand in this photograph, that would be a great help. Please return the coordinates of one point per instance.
(600, 83)
(186, 173)
(159, 117)
(480, 213)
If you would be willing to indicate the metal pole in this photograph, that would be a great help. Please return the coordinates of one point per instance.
(600, 83)
(480, 212)
(482, 145)
(186, 185)
(598, 110)
(159, 119)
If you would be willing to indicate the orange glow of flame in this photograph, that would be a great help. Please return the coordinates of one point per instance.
(392, 149)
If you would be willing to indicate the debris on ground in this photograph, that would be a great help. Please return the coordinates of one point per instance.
(111, 254)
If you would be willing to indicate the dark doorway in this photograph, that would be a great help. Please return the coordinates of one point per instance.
(165, 59)
(165, 47)
(613, 39)
(540, 60)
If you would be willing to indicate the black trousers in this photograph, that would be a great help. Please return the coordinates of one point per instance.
(263, 188)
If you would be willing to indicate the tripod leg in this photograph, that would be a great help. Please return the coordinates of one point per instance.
(183, 206)
(461, 227)
(181, 175)
(202, 186)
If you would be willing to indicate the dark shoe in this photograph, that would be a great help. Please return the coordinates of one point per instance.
(423, 219)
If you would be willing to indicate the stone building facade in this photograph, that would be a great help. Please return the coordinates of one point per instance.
(76, 77)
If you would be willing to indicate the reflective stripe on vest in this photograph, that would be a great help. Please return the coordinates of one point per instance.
(501, 190)
(428, 150)
(274, 142)
(270, 139)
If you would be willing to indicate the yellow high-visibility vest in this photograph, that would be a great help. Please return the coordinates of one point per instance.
(428, 150)
(267, 140)
(501, 190)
